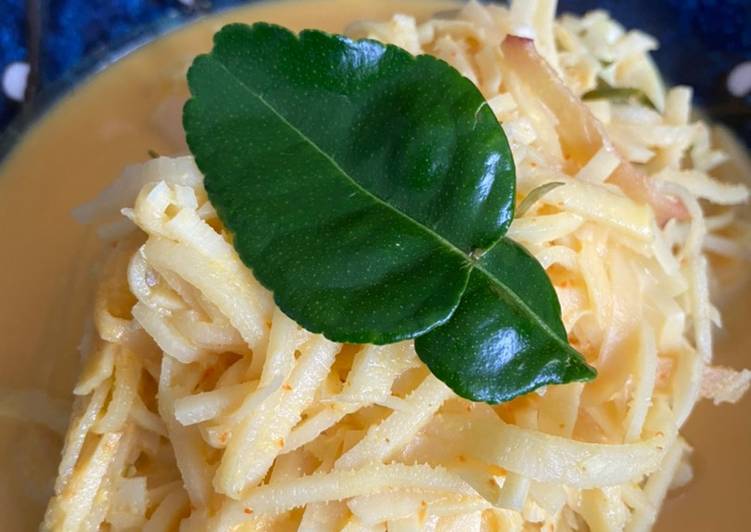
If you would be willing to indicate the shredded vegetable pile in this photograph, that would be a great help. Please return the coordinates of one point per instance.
(201, 405)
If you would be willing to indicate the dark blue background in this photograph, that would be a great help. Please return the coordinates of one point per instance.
(701, 40)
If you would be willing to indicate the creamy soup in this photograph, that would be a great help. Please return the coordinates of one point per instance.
(83, 143)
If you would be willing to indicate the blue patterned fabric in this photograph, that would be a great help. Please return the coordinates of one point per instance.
(702, 40)
(12, 47)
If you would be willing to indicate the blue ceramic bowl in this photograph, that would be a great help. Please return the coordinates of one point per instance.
(702, 42)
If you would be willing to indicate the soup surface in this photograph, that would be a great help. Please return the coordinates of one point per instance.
(113, 120)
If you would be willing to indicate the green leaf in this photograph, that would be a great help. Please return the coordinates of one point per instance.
(506, 338)
(360, 184)
(353, 176)
(605, 91)
(534, 196)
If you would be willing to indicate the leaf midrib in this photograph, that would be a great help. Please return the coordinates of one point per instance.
(471, 262)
